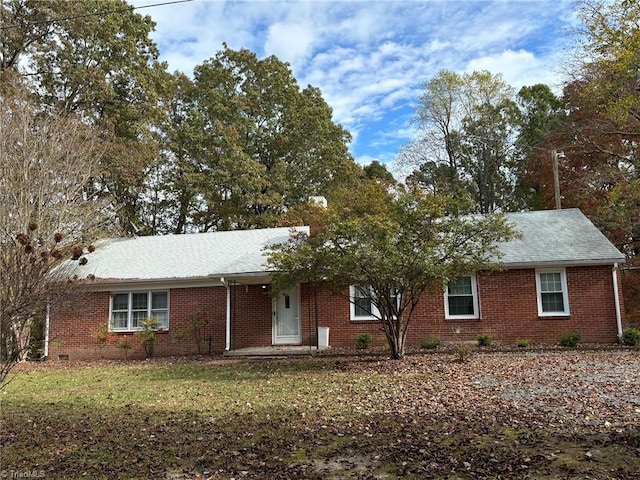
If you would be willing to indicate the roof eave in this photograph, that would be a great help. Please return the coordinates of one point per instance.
(219, 279)
(565, 263)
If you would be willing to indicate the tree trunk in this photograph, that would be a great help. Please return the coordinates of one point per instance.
(396, 344)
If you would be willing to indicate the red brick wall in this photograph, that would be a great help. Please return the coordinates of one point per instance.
(509, 312)
(72, 330)
(251, 308)
(508, 306)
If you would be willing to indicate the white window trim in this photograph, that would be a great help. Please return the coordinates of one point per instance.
(130, 310)
(375, 313)
(352, 307)
(476, 303)
(565, 292)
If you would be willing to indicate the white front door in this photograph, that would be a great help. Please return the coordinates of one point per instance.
(286, 317)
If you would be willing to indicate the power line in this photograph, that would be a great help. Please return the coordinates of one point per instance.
(97, 14)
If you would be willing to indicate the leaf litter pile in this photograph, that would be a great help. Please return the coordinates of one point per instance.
(571, 414)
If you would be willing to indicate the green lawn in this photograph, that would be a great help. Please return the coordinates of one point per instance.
(516, 415)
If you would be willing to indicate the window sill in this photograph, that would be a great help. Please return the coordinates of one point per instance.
(462, 318)
(129, 332)
(554, 316)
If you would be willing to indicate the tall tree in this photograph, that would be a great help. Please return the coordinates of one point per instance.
(466, 130)
(490, 119)
(46, 162)
(542, 113)
(95, 59)
(252, 144)
(605, 105)
(393, 245)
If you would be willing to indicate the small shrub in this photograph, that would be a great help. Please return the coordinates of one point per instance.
(102, 336)
(484, 340)
(522, 343)
(463, 351)
(569, 339)
(125, 346)
(430, 343)
(363, 341)
(631, 336)
(148, 335)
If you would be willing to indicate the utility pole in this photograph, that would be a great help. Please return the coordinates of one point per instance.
(556, 180)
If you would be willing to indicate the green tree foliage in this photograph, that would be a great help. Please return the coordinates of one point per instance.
(491, 118)
(95, 59)
(246, 144)
(542, 113)
(466, 130)
(378, 171)
(401, 244)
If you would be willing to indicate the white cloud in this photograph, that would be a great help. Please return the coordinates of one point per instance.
(518, 68)
(370, 58)
(290, 42)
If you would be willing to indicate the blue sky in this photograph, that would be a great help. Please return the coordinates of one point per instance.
(370, 58)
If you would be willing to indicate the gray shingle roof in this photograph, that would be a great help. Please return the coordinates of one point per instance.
(553, 237)
(550, 237)
(190, 256)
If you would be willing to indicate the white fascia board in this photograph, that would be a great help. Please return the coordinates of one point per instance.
(163, 283)
(568, 263)
(168, 283)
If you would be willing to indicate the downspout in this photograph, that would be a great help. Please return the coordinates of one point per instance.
(616, 300)
(46, 332)
(315, 303)
(227, 339)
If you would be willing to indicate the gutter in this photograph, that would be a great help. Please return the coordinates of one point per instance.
(561, 263)
(616, 300)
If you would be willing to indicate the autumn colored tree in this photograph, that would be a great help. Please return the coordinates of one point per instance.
(597, 128)
(95, 59)
(394, 246)
(542, 114)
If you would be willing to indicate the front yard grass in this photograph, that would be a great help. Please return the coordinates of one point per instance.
(515, 415)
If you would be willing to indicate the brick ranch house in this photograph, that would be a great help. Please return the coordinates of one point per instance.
(211, 295)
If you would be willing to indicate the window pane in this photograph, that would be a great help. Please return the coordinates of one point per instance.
(460, 286)
(362, 307)
(120, 301)
(139, 301)
(552, 302)
(362, 304)
(551, 282)
(119, 320)
(461, 305)
(162, 316)
(137, 318)
(159, 300)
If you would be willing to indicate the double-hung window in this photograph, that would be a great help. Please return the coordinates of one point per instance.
(461, 298)
(362, 306)
(130, 309)
(553, 297)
